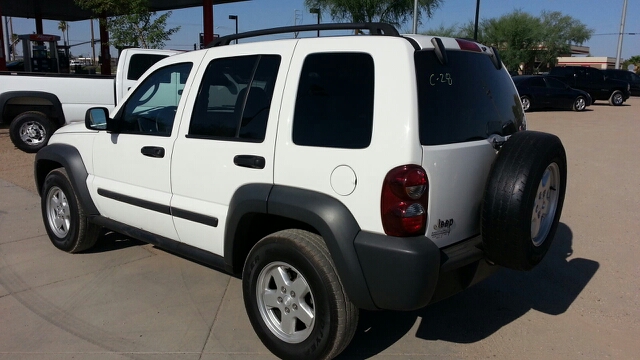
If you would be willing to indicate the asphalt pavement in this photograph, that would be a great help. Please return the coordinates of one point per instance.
(130, 300)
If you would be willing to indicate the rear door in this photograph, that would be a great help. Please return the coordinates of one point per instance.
(228, 136)
(457, 117)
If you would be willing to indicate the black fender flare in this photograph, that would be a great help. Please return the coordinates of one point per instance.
(55, 155)
(57, 105)
(330, 217)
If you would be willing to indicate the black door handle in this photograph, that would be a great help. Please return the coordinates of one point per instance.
(249, 161)
(153, 151)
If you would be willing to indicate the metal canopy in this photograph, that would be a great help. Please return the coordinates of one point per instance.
(67, 10)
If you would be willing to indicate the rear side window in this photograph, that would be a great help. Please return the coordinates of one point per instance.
(235, 97)
(466, 99)
(140, 63)
(334, 105)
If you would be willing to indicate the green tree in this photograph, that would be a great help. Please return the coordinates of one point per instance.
(64, 27)
(558, 33)
(134, 25)
(395, 12)
(635, 60)
(517, 35)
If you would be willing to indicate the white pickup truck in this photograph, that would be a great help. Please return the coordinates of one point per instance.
(36, 104)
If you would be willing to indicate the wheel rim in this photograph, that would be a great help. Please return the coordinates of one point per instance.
(617, 99)
(526, 103)
(285, 302)
(545, 205)
(580, 104)
(32, 133)
(58, 212)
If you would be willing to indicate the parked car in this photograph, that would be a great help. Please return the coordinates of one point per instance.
(545, 92)
(632, 78)
(331, 174)
(594, 82)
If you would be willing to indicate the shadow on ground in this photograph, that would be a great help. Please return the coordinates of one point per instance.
(483, 309)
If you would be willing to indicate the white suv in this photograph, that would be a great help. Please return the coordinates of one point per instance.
(332, 174)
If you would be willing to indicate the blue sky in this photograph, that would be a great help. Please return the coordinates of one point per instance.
(603, 16)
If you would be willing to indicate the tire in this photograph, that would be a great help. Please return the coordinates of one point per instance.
(580, 103)
(526, 103)
(291, 272)
(523, 200)
(63, 215)
(616, 98)
(31, 131)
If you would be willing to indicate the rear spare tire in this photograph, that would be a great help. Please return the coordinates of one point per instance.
(523, 199)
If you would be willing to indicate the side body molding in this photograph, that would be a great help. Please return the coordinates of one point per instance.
(56, 155)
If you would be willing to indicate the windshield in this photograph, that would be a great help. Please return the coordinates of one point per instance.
(466, 99)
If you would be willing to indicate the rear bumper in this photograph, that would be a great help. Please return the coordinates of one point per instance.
(410, 273)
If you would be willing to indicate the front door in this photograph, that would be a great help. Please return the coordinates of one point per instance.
(132, 161)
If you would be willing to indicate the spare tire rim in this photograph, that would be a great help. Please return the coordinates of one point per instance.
(285, 302)
(58, 212)
(32, 133)
(545, 204)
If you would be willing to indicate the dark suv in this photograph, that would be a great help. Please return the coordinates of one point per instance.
(594, 82)
(632, 78)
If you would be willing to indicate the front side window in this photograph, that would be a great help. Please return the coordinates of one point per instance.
(234, 98)
(555, 84)
(334, 104)
(152, 107)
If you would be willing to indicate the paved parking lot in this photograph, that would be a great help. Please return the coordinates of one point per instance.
(127, 299)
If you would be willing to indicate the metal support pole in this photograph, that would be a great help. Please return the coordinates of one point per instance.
(475, 29)
(207, 19)
(3, 61)
(620, 36)
(105, 53)
(414, 30)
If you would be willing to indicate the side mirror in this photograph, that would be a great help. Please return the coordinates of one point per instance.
(96, 118)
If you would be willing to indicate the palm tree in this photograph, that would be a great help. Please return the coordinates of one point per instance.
(64, 27)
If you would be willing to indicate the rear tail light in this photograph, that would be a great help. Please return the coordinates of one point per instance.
(404, 201)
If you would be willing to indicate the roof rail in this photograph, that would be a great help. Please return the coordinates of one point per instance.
(374, 29)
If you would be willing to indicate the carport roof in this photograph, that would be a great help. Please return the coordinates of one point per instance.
(67, 10)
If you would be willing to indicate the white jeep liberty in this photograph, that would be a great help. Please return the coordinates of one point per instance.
(332, 174)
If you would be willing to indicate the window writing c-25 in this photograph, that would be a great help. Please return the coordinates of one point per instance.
(440, 78)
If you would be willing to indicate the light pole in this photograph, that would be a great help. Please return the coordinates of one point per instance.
(475, 28)
(621, 35)
(235, 17)
(317, 12)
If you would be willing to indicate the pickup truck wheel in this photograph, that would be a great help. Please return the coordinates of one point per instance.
(523, 199)
(526, 103)
(295, 299)
(580, 103)
(30, 131)
(64, 216)
(616, 98)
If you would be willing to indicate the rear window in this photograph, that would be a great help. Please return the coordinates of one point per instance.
(466, 99)
(140, 63)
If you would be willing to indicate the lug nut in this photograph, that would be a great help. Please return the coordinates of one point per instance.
(293, 294)
(295, 307)
(279, 299)
(284, 290)
(286, 310)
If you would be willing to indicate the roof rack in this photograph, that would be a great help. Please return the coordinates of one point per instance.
(375, 28)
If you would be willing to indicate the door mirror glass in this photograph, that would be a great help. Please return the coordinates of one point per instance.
(96, 118)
